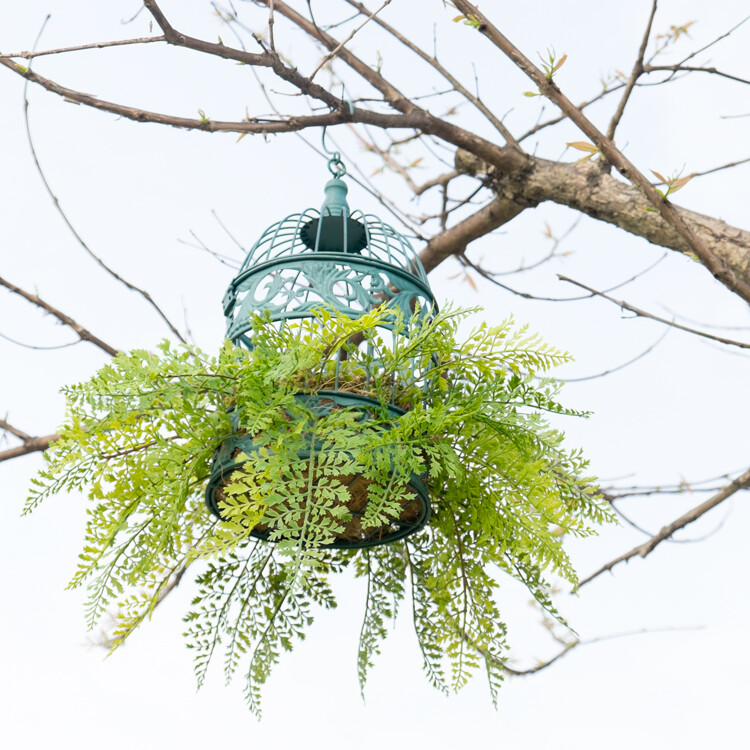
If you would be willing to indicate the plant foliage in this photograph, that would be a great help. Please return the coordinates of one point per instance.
(139, 440)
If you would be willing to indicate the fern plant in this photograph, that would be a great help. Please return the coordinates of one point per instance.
(139, 440)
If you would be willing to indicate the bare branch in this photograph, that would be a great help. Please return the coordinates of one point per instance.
(441, 180)
(343, 42)
(415, 117)
(74, 232)
(634, 76)
(14, 430)
(689, 69)
(83, 333)
(32, 445)
(643, 314)
(435, 63)
(741, 483)
(618, 367)
(391, 94)
(78, 48)
(668, 212)
(455, 239)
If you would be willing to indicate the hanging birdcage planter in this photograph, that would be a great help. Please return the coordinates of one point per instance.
(349, 263)
(341, 413)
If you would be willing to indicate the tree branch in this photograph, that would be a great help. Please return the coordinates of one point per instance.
(634, 76)
(643, 550)
(83, 333)
(79, 47)
(132, 287)
(455, 239)
(435, 63)
(668, 212)
(690, 69)
(643, 314)
(585, 188)
(14, 430)
(32, 445)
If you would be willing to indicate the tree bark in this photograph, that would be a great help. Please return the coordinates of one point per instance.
(587, 188)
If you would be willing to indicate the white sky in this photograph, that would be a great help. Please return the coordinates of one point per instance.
(680, 412)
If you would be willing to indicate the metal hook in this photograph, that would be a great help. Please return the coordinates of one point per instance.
(336, 167)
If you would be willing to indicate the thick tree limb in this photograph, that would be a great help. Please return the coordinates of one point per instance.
(643, 550)
(585, 188)
(32, 445)
(668, 212)
(83, 333)
(455, 239)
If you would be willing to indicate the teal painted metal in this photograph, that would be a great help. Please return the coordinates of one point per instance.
(346, 261)
(414, 515)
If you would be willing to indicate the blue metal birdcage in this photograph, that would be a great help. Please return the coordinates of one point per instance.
(347, 262)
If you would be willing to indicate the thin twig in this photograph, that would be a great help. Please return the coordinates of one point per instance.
(435, 63)
(643, 550)
(696, 540)
(690, 69)
(70, 226)
(634, 76)
(568, 647)
(464, 259)
(79, 47)
(555, 120)
(341, 44)
(614, 156)
(618, 367)
(715, 41)
(440, 180)
(723, 166)
(83, 333)
(38, 348)
(643, 314)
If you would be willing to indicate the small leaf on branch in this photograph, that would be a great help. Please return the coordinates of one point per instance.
(560, 63)
(583, 146)
(680, 183)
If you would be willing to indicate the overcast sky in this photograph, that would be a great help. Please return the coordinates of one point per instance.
(680, 413)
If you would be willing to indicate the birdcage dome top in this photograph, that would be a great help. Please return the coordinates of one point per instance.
(335, 229)
(345, 260)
